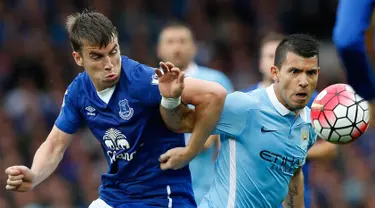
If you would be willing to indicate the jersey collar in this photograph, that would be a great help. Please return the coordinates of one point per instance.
(281, 108)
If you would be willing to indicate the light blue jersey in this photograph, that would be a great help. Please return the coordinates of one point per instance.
(263, 144)
(202, 167)
(306, 166)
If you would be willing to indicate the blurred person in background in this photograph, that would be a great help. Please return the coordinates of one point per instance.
(177, 44)
(321, 150)
(122, 101)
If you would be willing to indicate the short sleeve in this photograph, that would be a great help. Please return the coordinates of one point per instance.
(234, 116)
(313, 136)
(144, 83)
(69, 119)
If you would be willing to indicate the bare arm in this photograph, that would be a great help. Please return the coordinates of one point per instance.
(49, 154)
(322, 150)
(294, 199)
(208, 99)
(180, 119)
(46, 159)
(212, 140)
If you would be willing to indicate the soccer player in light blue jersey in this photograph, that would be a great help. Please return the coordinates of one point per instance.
(354, 35)
(322, 150)
(123, 103)
(177, 44)
(265, 135)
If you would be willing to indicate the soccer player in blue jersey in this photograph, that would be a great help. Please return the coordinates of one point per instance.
(121, 102)
(322, 150)
(177, 44)
(354, 38)
(265, 135)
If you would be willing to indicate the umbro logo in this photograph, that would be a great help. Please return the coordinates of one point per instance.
(264, 130)
(90, 111)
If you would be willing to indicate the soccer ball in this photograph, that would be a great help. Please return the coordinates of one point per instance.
(339, 115)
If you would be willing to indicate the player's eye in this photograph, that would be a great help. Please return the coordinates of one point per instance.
(294, 71)
(113, 52)
(96, 57)
(312, 72)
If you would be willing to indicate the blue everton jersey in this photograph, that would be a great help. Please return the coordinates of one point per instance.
(355, 45)
(263, 144)
(202, 177)
(132, 135)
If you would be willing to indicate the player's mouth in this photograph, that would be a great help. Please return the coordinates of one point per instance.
(111, 77)
(301, 95)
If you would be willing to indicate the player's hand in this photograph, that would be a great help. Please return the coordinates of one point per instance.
(175, 158)
(20, 178)
(171, 81)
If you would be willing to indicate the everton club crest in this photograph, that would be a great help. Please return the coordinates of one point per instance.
(126, 112)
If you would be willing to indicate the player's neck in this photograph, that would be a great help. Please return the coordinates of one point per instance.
(266, 83)
(101, 88)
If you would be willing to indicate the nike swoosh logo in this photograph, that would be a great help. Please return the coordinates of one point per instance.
(264, 130)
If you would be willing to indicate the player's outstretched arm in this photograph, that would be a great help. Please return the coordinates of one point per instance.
(294, 199)
(46, 159)
(352, 29)
(322, 150)
(208, 99)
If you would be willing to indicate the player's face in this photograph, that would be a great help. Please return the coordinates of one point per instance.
(176, 45)
(296, 80)
(267, 57)
(103, 65)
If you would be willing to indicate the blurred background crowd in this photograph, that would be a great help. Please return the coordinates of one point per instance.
(36, 66)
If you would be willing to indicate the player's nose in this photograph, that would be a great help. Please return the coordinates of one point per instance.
(108, 63)
(303, 81)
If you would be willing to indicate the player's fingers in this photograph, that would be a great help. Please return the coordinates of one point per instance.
(164, 67)
(12, 171)
(169, 64)
(181, 77)
(13, 178)
(176, 71)
(9, 187)
(165, 166)
(158, 72)
(163, 158)
(14, 183)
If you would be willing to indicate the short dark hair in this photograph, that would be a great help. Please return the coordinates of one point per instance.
(176, 24)
(92, 26)
(301, 44)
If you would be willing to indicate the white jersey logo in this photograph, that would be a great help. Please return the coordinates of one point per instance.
(305, 137)
(90, 110)
(155, 79)
(126, 112)
(116, 141)
(63, 101)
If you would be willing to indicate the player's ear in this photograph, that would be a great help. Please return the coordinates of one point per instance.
(77, 58)
(275, 73)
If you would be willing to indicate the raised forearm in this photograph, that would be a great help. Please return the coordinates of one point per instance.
(207, 114)
(295, 199)
(180, 119)
(349, 35)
